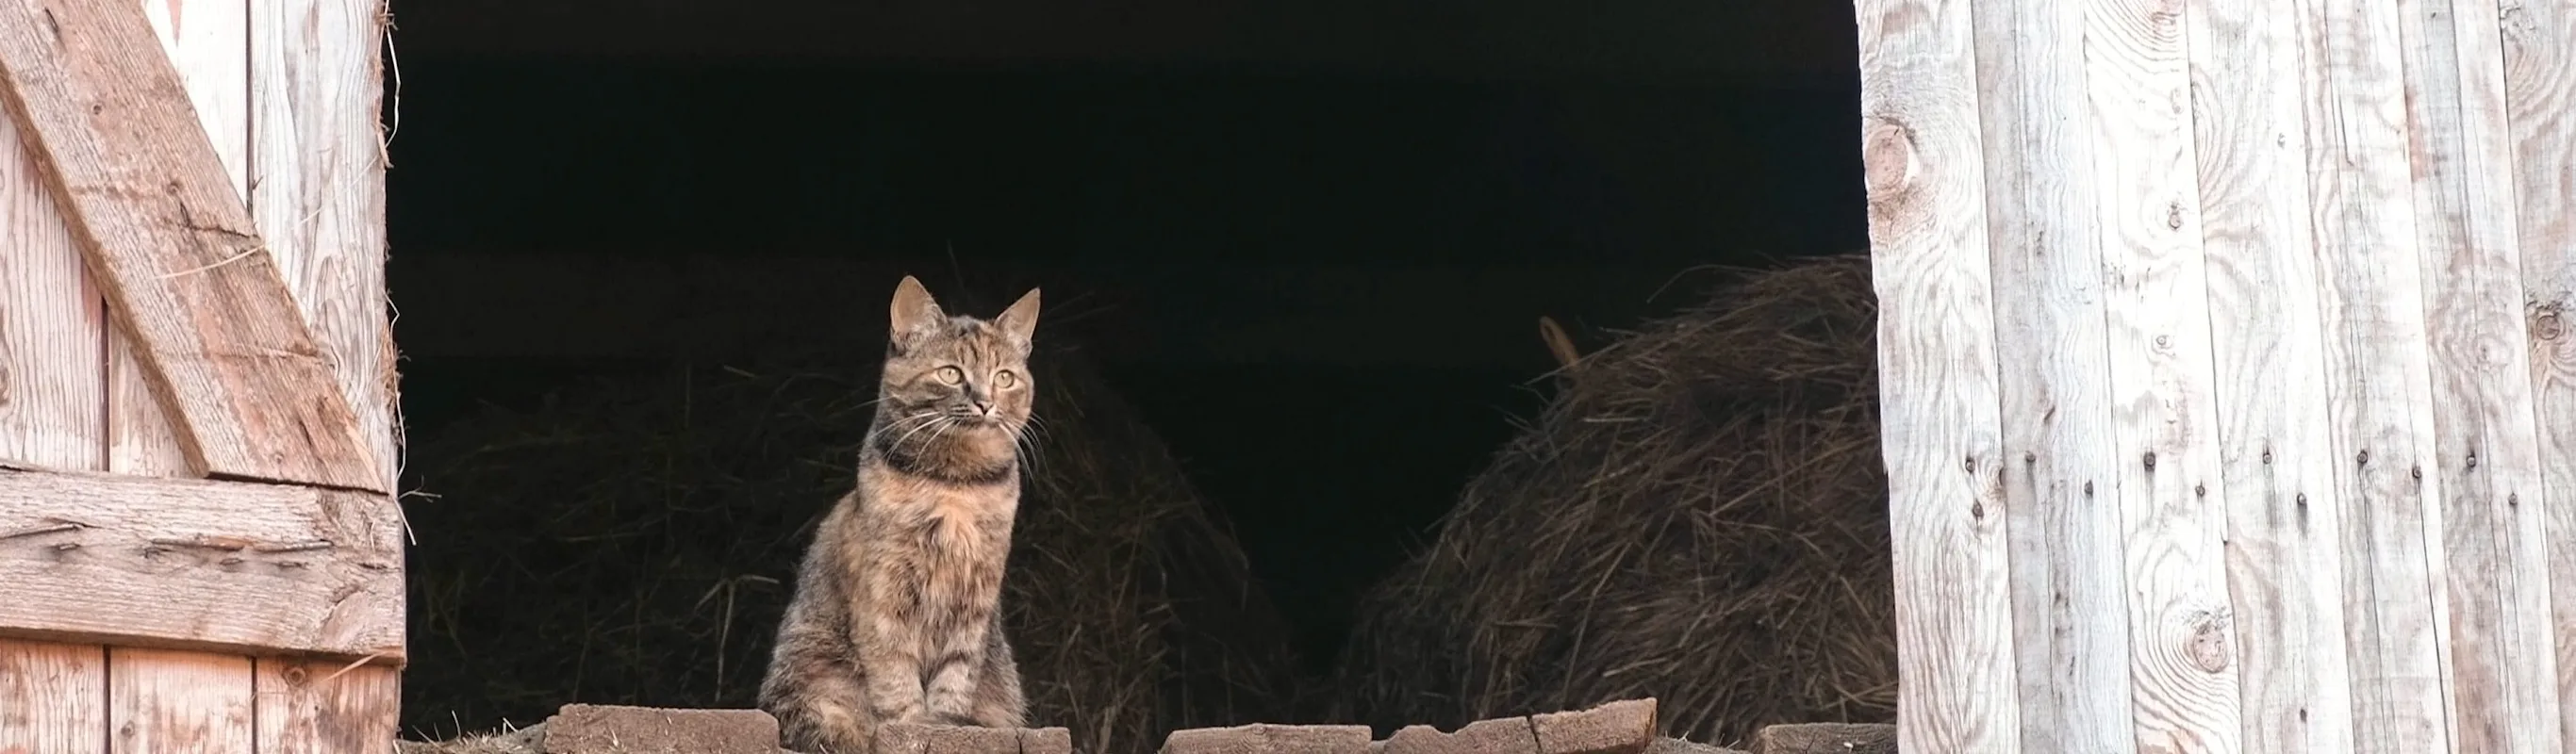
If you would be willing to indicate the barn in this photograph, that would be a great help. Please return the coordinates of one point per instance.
(2223, 388)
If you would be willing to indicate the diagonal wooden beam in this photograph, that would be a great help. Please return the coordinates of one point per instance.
(226, 350)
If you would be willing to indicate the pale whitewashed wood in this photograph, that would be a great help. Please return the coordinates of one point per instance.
(1941, 434)
(2284, 516)
(316, 83)
(2539, 54)
(52, 390)
(309, 707)
(173, 247)
(204, 40)
(2171, 494)
(53, 698)
(2060, 481)
(178, 702)
(2377, 381)
(200, 564)
(2502, 659)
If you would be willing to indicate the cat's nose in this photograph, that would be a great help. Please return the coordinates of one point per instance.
(984, 406)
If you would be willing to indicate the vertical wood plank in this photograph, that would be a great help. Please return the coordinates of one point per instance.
(2377, 380)
(2502, 659)
(1937, 375)
(2170, 490)
(2539, 54)
(303, 709)
(207, 41)
(53, 698)
(2284, 520)
(163, 702)
(317, 149)
(53, 379)
(2069, 594)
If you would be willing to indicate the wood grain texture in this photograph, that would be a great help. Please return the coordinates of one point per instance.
(53, 698)
(190, 563)
(2163, 408)
(1920, 142)
(2060, 484)
(177, 702)
(174, 249)
(53, 382)
(2502, 659)
(316, 83)
(203, 39)
(309, 707)
(2377, 380)
(2539, 55)
(2284, 521)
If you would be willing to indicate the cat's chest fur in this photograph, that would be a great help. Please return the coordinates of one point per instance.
(940, 546)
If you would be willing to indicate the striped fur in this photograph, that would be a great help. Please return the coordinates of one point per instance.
(897, 614)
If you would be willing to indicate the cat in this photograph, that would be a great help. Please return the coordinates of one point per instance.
(896, 615)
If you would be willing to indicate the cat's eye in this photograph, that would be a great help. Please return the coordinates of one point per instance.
(951, 375)
(1006, 378)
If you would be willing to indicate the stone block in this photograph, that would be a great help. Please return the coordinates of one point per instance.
(1046, 741)
(913, 738)
(1826, 738)
(1263, 738)
(1510, 735)
(614, 729)
(1621, 727)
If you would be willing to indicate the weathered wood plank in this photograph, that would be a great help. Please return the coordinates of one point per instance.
(311, 707)
(53, 394)
(2502, 661)
(55, 698)
(2059, 476)
(2377, 381)
(183, 562)
(2170, 489)
(176, 702)
(2285, 557)
(2539, 41)
(1938, 389)
(173, 249)
(203, 39)
(316, 82)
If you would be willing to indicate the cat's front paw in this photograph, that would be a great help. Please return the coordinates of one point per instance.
(958, 719)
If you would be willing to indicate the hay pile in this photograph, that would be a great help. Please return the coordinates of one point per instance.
(632, 542)
(1700, 517)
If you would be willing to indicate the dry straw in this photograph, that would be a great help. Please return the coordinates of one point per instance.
(630, 542)
(1700, 517)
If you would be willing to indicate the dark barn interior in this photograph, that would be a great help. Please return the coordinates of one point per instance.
(1308, 242)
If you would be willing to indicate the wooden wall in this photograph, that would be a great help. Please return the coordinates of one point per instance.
(2230, 402)
(288, 92)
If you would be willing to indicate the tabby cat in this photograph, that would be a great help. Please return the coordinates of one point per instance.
(896, 615)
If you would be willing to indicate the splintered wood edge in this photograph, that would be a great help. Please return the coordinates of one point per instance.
(238, 567)
(226, 349)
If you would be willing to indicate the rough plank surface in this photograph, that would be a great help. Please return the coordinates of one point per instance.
(1621, 727)
(174, 248)
(613, 729)
(2502, 662)
(2377, 382)
(1937, 376)
(2285, 557)
(1049, 740)
(178, 702)
(181, 561)
(2540, 101)
(317, 707)
(2059, 474)
(1826, 738)
(316, 147)
(905, 738)
(57, 695)
(1263, 738)
(53, 392)
(1512, 735)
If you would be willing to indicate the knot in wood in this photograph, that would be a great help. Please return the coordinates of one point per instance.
(2151, 460)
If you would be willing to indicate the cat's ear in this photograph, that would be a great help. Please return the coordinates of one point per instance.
(913, 313)
(1020, 322)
